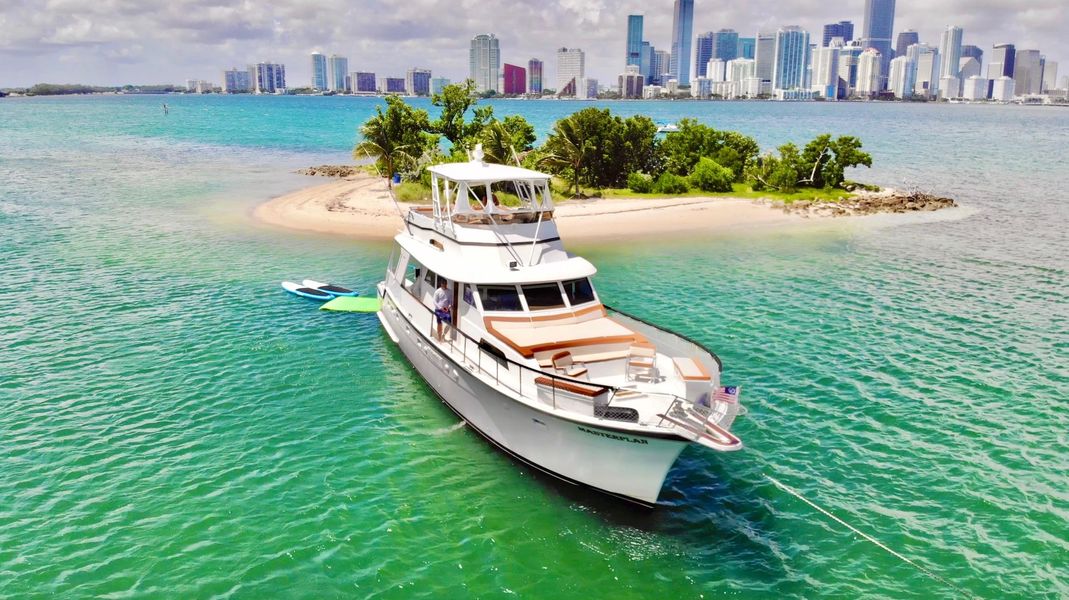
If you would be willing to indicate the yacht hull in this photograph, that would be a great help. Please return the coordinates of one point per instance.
(620, 463)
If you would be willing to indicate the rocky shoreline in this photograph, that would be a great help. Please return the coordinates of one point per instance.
(867, 203)
(334, 171)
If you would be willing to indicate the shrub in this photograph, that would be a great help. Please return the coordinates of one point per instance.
(670, 183)
(709, 176)
(640, 183)
(412, 191)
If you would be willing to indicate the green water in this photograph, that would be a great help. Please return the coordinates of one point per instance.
(173, 425)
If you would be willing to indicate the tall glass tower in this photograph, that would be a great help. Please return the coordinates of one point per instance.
(703, 52)
(319, 71)
(484, 61)
(792, 56)
(682, 27)
(879, 23)
(634, 40)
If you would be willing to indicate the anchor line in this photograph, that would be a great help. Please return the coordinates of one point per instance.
(878, 543)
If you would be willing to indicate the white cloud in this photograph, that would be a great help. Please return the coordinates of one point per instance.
(155, 40)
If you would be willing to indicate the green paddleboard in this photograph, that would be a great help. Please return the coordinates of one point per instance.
(351, 304)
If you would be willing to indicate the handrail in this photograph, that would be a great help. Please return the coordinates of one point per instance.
(719, 364)
(508, 360)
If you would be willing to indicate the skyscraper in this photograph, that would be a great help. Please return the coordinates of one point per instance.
(879, 23)
(267, 78)
(363, 81)
(906, 39)
(970, 51)
(747, 47)
(571, 71)
(418, 82)
(765, 55)
(726, 45)
(338, 67)
(791, 58)
(630, 82)
(703, 51)
(515, 80)
(1050, 76)
(438, 84)
(659, 65)
(826, 72)
(682, 25)
(534, 76)
(926, 61)
(868, 73)
(842, 29)
(903, 76)
(319, 71)
(646, 61)
(1005, 55)
(235, 81)
(484, 60)
(1027, 73)
(634, 40)
(950, 52)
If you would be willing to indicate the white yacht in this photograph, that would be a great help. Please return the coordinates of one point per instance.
(535, 361)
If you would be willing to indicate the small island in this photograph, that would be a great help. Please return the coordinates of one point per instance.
(694, 178)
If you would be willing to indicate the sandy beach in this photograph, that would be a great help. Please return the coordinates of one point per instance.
(361, 207)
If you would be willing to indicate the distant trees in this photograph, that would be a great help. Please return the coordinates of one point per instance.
(821, 164)
(396, 138)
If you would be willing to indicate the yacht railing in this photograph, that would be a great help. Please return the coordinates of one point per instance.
(680, 345)
(558, 391)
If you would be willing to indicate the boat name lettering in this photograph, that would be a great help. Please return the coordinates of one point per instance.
(613, 436)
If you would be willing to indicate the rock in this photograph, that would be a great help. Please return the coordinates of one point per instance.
(330, 171)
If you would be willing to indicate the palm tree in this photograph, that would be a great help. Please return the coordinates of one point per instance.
(394, 138)
(497, 144)
(568, 150)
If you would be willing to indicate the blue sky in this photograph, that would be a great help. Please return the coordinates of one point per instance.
(148, 41)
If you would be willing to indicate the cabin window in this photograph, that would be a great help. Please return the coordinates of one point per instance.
(543, 296)
(579, 291)
(469, 296)
(431, 280)
(499, 297)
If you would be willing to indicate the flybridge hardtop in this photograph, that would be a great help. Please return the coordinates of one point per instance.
(507, 328)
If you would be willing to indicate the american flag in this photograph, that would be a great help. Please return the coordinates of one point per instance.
(727, 393)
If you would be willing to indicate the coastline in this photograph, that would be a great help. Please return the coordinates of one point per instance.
(361, 207)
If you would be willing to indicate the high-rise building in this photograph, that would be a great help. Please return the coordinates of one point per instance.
(974, 87)
(703, 52)
(485, 62)
(646, 61)
(418, 82)
(319, 71)
(842, 29)
(438, 84)
(236, 81)
(1027, 72)
(634, 40)
(848, 68)
(825, 79)
(747, 47)
(740, 69)
(534, 76)
(903, 77)
(970, 51)
(267, 78)
(631, 82)
(726, 45)
(682, 25)
(716, 70)
(338, 66)
(968, 67)
(868, 73)
(1003, 89)
(791, 58)
(1050, 76)
(950, 51)
(1005, 55)
(926, 59)
(660, 63)
(515, 80)
(364, 82)
(765, 55)
(876, 33)
(906, 39)
(394, 85)
(571, 70)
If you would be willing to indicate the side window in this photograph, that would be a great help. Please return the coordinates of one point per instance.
(469, 296)
(412, 274)
(430, 280)
(579, 291)
(499, 297)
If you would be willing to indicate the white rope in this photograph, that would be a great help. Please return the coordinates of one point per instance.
(919, 567)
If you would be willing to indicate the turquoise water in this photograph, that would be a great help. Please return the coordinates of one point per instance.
(172, 424)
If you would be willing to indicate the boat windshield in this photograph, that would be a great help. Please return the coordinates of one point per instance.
(579, 291)
(543, 296)
(500, 297)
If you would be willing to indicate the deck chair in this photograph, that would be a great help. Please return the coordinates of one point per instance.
(642, 363)
(565, 365)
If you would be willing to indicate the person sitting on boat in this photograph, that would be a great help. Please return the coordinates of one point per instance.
(443, 304)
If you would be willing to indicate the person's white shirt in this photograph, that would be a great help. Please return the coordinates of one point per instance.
(442, 299)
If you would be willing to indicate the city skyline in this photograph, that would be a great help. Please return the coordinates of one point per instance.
(88, 43)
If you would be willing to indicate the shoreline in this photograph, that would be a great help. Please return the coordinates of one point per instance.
(360, 207)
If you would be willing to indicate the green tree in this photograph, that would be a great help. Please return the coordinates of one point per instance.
(567, 150)
(396, 138)
(504, 140)
(683, 148)
(776, 173)
(709, 176)
(670, 183)
(454, 100)
(611, 147)
(824, 161)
